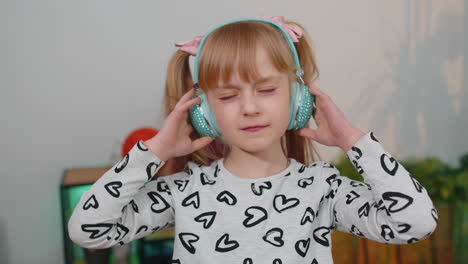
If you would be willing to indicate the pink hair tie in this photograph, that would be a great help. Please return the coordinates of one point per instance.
(190, 46)
(293, 31)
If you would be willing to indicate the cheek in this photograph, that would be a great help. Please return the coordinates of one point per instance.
(222, 113)
(284, 113)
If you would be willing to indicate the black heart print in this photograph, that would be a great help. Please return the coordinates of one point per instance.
(314, 261)
(434, 215)
(302, 168)
(151, 169)
(330, 179)
(351, 196)
(304, 182)
(277, 261)
(255, 215)
(113, 188)
(159, 204)
(360, 184)
(247, 261)
(416, 184)
(91, 203)
(386, 232)
(399, 201)
(381, 206)
(309, 216)
(96, 230)
(217, 170)
(141, 146)
(187, 240)
(188, 170)
(257, 188)
(122, 231)
(281, 203)
(226, 197)
(358, 152)
(364, 210)
(142, 228)
(124, 208)
(320, 205)
(224, 244)
(206, 218)
(134, 206)
(358, 167)
(204, 179)
(373, 137)
(181, 184)
(393, 168)
(320, 236)
(274, 236)
(193, 199)
(334, 189)
(162, 187)
(356, 231)
(122, 164)
(302, 246)
(334, 215)
(404, 228)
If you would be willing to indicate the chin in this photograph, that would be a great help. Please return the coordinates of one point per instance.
(254, 145)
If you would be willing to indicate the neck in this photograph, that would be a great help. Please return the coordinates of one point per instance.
(256, 165)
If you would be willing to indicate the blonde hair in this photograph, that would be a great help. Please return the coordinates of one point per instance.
(234, 45)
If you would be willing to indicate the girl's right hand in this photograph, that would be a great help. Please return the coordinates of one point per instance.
(173, 139)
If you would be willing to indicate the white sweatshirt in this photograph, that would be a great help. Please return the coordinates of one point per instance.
(284, 218)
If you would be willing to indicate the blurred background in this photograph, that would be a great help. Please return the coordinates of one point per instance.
(78, 76)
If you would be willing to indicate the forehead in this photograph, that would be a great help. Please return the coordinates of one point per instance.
(266, 70)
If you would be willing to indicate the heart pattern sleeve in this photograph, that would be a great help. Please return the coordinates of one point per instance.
(390, 206)
(123, 204)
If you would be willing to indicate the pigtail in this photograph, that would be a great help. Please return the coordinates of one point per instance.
(293, 145)
(178, 81)
(306, 55)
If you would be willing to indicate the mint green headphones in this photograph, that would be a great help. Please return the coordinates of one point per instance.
(300, 107)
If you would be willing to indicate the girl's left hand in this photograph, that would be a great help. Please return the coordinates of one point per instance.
(332, 127)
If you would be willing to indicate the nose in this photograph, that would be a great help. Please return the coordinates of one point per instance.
(249, 105)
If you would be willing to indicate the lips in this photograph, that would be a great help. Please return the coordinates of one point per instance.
(253, 128)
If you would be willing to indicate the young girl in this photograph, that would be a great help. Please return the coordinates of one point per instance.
(251, 190)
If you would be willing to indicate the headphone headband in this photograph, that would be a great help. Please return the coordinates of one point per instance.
(299, 71)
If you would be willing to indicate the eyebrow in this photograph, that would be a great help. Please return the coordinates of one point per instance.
(260, 81)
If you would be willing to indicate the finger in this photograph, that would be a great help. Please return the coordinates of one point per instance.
(185, 97)
(307, 132)
(316, 91)
(184, 107)
(200, 143)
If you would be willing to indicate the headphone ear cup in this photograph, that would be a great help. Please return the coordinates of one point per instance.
(301, 106)
(293, 105)
(201, 118)
(306, 107)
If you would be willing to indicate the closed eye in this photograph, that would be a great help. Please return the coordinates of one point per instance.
(268, 90)
(262, 91)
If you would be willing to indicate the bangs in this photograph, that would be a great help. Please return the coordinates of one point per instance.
(233, 47)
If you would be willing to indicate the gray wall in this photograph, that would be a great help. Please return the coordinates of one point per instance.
(77, 76)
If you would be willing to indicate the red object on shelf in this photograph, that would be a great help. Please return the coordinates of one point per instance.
(143, 133)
